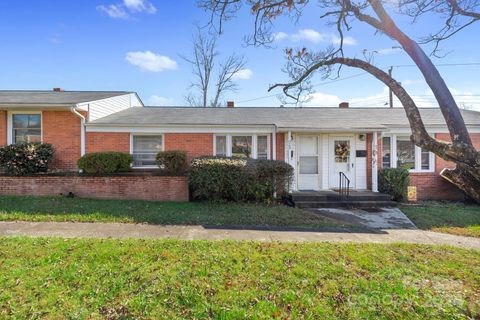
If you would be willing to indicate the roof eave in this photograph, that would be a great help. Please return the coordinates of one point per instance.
(326, 129)
(36, 105)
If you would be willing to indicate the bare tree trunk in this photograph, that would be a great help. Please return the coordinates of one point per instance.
(467, 158)
(203, 61)
(446, 102)
(232, 66)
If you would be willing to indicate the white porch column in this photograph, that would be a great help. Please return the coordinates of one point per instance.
(290, 159)
(274, 143)
(374, 162)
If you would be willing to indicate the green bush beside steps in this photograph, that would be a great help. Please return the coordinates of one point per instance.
(239, 179)
(394, 181)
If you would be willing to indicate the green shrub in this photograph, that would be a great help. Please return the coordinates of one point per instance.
(173, 162)
(394, 181)
(26, 158)
(235, 179)
(105, 162)
(271, 176)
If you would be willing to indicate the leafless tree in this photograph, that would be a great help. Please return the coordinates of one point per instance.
(303, 92)
(204, 63)
(456, 15)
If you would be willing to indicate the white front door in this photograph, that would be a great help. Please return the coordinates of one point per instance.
(342, 159)
(308, 163)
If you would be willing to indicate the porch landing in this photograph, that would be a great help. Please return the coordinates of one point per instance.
(333, 199)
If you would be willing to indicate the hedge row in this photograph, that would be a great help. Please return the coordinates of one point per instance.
(231, 179)
(210, 178)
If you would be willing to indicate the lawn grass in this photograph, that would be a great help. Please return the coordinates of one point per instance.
(52, 278)
(453, 218)
(13, 208)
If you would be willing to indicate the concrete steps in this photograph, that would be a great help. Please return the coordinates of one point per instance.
(331, 199)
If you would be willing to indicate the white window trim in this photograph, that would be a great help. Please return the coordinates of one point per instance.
(10, 123)
(146, 134)
(418, 155)
(254, 143)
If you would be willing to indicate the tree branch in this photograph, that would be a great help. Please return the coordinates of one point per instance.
(420, 136)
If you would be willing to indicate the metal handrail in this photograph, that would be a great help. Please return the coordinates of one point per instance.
(344, 185)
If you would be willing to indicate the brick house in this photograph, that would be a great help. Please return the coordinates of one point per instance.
(318, 142)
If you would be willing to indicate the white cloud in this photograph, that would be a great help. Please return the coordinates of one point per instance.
(149, 61)
(387, 51)
(113, 11)
(319, 99)
(244, 74)
(308, 35)
(279, 36)
(378, 100)
(313, 36)
(346, 40)
(140, 6)
(122, 10)
(155, 100)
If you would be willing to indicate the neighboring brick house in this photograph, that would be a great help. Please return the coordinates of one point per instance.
(318, 142)
(58, 117)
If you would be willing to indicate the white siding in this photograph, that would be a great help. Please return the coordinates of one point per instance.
(102, 108)
(325, 162)
(361, 165)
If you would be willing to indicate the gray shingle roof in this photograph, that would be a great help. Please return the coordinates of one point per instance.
(306, 118)
(63, 98)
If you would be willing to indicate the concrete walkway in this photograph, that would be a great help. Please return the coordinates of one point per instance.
(375, 218)
(119, 230)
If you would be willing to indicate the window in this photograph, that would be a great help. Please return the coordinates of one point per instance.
(26, 128)
(262, 147)
(342, 151)
(386, 152)
(308, 165)
(425, 159)
(145, 149)
(398, 151)
(243, 146)
(405, 153)
(221, 146)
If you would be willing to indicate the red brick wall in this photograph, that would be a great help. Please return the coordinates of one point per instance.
(280, 146)
(62, 130)
(196, 144)
(432, 186)
(158, 188)
(3, 128)
(107, 141)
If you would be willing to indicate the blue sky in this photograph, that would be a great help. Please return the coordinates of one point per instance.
(137, 45)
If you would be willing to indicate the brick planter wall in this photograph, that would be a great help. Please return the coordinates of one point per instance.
(158, 188)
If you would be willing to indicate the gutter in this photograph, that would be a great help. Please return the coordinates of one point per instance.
(82, 129)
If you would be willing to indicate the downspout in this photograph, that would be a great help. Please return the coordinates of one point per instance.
(82, 129)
